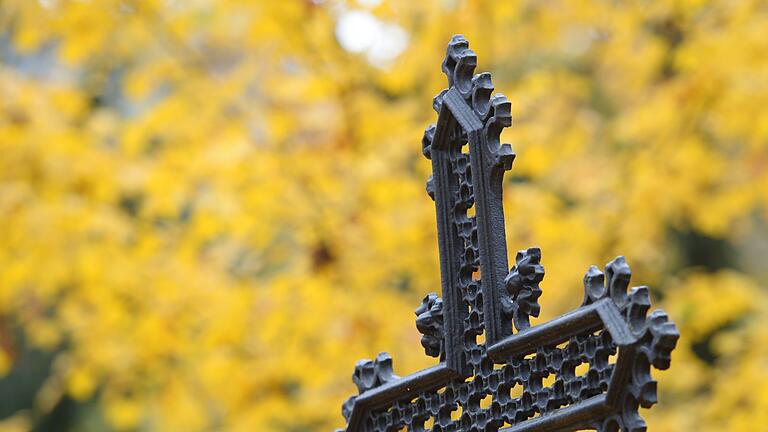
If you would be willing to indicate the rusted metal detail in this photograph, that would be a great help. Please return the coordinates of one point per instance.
(587, 369)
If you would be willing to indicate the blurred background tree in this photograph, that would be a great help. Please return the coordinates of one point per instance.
(209, 210)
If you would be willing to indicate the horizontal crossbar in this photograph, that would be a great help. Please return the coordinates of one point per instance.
(422, 381)
(565, 419)
(603, 313)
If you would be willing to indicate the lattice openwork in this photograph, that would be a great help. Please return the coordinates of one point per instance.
(588, 369)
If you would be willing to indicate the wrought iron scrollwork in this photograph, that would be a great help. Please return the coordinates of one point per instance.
(587, 369)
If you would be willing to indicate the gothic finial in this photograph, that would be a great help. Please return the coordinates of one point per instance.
(368, 375)
(373, 373)
(657, 338)
(522, 285)
(613, 284)
(426, 141)
(459, 64)
(665, 335)
(637, 308)
(346, 409)
(482, 87)
(429, 322)
(500, 118)
(594, 285)
(618, 275)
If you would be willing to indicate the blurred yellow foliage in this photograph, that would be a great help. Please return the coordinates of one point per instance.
(209, 210)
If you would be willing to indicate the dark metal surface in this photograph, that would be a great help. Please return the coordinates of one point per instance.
(588, 369)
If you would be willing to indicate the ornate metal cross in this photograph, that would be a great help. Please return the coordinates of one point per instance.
(587, 369)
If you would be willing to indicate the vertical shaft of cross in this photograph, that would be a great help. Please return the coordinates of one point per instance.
(488, 161)
(444, 185)
(491, 236)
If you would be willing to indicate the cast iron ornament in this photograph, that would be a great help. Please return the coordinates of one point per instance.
(522, 377)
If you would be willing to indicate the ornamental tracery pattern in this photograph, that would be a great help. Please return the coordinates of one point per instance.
(588, 369)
